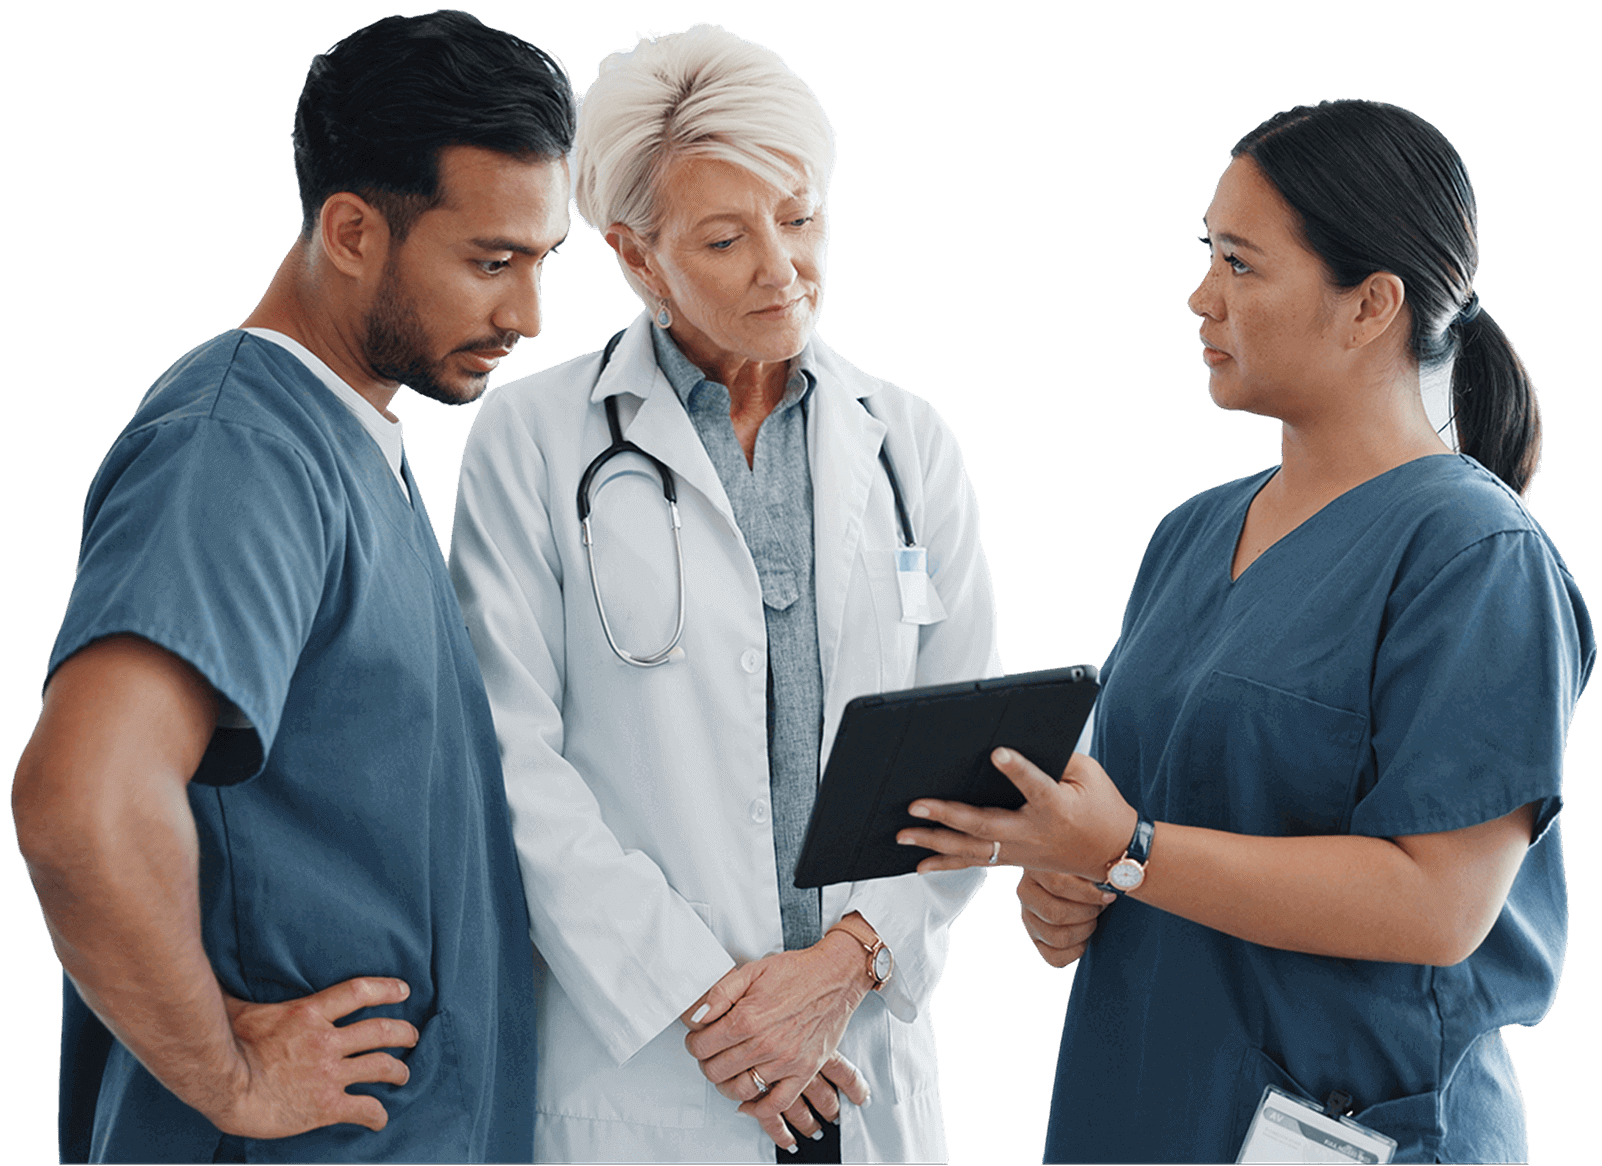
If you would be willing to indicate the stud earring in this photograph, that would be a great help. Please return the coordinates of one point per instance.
(664, 318)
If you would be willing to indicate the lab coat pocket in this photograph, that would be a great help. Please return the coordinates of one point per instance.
(1261, 760)
(660, 1085)
(912, 1056)
(897, 638)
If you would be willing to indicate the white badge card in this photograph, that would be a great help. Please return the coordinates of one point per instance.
(912, 574)
(1288, 1129)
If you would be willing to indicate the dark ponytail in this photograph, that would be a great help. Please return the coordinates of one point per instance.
(1493, 403)
(1380, 189)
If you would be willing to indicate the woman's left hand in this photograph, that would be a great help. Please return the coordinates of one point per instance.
(1078, 825)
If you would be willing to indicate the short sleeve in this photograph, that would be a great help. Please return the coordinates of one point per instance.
(206, 538)
(1475, 682)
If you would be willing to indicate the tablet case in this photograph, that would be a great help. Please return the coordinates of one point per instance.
(895, 747)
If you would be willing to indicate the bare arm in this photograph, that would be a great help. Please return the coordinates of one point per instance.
(1425, 899)
(103, 821)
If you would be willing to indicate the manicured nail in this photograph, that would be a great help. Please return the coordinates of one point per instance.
(792, 1148)
(695, 1017)
(918, 811)
(1001, 756)
(817, 1134)
(867, 1101)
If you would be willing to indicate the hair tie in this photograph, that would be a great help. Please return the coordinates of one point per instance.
(1470, 309)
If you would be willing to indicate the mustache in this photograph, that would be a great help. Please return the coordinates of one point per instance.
(506, 340)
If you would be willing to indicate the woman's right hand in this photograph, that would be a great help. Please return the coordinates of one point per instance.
(1060, 913)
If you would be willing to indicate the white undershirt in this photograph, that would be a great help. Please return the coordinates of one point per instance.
(385, 432)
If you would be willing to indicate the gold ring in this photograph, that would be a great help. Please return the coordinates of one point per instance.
(995, 853)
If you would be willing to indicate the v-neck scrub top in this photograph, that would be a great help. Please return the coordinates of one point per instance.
(246, 522)
(1404, 662)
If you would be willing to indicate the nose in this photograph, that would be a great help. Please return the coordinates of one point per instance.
(519, 310)
(776, 266)
(1204, 300)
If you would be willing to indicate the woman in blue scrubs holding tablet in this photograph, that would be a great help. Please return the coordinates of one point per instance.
(1328, 751)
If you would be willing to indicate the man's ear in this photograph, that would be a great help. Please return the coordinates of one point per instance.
(354, 236)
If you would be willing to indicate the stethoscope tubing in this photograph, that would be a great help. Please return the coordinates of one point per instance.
(670, 493)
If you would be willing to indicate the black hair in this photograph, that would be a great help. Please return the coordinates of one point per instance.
(380, 105)
(1380, 189)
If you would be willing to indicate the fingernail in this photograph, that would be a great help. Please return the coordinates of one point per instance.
(900, 841)
(817, 1134)
(695, 1017)
(919, 811)
(792, 1148)
(867, 1101)
(1001, 756)
(1108, 897)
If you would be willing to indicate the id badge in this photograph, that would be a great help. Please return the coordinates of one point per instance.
(1288, 1129)
(919, 603)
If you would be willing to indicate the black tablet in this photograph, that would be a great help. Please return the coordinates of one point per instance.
(895, 747)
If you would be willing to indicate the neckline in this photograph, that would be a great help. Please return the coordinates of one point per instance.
(1311, 519)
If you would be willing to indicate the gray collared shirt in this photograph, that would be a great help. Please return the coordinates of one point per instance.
(772, 502)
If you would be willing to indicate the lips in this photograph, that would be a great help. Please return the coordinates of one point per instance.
(485, 359)
(778, 309)
(1211, 353)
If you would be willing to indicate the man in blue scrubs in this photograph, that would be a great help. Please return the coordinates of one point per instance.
(263, 806)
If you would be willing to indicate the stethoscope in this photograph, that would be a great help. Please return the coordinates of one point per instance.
(671, 493)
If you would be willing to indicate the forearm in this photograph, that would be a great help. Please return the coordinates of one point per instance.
(103, 821)
(1348, 896)
(120, 901)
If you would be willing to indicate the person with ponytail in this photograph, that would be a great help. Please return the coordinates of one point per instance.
(1318, 818)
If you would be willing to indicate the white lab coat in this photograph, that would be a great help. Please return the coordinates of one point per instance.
(639, 797)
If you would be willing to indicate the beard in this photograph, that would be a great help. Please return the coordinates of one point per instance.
(397, 347)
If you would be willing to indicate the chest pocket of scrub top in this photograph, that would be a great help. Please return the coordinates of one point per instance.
(1254, 759)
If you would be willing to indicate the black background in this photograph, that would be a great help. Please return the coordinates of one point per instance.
(1013, 228)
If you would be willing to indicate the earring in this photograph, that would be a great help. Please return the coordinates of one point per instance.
(664, 318)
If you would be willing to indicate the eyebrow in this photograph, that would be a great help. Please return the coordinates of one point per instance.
(735, 216)
(499, 244)
(1234, 241)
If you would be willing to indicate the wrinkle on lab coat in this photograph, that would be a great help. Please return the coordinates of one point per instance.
(639, 797)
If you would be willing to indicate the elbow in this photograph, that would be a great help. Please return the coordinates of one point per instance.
(1456, 953)
(1453, 940)
(45, 833)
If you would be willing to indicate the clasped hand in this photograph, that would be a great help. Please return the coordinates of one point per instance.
(783, 1016)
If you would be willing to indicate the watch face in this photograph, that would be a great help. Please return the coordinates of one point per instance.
(883, 964)
(1126, 874)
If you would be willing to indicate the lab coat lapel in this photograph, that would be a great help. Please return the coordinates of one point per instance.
(660, 427)
(843, 445)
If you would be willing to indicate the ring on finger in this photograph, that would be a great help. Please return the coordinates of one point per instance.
(995, 852)
(756, 1079)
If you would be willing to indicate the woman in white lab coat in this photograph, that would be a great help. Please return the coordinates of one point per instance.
(654, 816)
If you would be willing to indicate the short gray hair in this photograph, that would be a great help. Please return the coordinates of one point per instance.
(702, 93)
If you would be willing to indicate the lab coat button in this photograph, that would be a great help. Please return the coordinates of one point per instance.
(751, 660)
(759, 811)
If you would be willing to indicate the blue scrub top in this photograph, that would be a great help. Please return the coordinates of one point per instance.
(1404, 662)
(246, 522)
